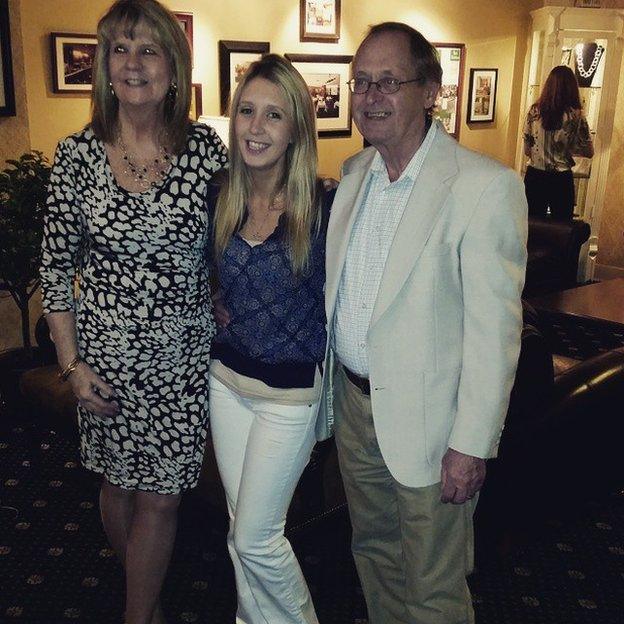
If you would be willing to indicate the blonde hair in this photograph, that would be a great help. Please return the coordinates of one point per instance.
(299, 178)
(124, 15)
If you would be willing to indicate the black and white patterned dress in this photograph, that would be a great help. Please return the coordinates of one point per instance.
(143, 313)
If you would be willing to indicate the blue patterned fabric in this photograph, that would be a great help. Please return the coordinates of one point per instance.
(277, 332)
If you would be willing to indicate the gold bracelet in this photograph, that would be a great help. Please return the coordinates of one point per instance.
(70, 368)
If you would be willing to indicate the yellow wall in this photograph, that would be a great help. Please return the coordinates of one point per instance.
(611, 239)
(501, 44)
(494, 34)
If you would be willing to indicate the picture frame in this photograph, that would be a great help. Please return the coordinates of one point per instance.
(319, 20)
(72, 62)
(196, 101)
(326, 76)
(482, 95)
(234, 58)
(186, 24)
(7, 89)
(448, 103)
(589, 4)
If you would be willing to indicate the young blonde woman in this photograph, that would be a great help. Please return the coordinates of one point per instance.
(269, 240)
(555, 131)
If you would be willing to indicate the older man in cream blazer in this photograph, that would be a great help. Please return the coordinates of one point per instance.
(426, 252)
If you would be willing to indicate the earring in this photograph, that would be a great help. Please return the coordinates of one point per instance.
(112, 91)
(173, 91)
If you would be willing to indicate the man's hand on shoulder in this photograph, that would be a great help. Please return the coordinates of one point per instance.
(462, 476)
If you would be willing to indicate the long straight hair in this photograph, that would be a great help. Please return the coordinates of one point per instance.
(299, 178)
(559, 95)
(124, 16)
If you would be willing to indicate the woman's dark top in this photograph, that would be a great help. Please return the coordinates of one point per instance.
(277, 333)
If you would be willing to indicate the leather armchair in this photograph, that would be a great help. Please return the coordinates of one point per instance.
(553, 254)
(561, 446)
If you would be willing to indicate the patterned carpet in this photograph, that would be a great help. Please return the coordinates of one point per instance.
(56, 567)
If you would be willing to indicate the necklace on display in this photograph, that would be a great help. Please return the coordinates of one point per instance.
(587, 73)
(147, 173)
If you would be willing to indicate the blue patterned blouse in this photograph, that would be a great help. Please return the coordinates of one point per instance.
(277, 332)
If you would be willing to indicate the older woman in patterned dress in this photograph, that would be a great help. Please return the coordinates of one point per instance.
(127, 213)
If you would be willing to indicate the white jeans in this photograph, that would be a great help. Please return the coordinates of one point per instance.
(261, 450)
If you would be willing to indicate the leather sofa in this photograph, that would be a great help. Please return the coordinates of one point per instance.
(553, 254)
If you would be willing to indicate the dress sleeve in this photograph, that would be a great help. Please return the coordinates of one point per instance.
(527, 135)
(583, 143)
(64, 233)
(213, 150)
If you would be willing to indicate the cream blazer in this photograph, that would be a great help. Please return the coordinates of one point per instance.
(444, 336)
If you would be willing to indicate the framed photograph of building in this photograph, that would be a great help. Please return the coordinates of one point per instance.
(482, 95)
(7, 93)
(448, 102)
(196, 101)
(186, 24)
(319, 20)
(234, 59)
(326, 77)
(72, 62)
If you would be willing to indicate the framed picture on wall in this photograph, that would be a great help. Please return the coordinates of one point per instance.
(72, 62)
(196, 101)
(319, 20)
(482, 95)
(7, 93)
(186, 24)
(326, 77)
(234, 59)
(448, 102)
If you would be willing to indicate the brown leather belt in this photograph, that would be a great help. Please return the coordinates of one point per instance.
(359, 382)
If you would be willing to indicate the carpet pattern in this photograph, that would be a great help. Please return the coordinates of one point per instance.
(56, 567)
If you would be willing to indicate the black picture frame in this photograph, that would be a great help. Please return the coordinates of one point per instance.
(482, 95)
(234, 57)
(7, 89)
(326, 76)
(75, 76)
(319, 21)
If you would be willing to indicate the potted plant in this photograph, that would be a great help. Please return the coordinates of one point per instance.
(23, 191)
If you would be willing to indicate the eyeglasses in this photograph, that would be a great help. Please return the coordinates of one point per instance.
(384, 85)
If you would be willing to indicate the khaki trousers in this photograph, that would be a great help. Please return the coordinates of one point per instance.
(411, 551)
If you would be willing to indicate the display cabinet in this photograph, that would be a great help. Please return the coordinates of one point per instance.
(590, 41)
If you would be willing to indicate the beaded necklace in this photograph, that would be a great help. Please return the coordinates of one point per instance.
(148, 173)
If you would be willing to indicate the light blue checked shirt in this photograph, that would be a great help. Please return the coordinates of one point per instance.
(376, 223)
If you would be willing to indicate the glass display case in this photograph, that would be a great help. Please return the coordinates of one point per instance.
(590, 42)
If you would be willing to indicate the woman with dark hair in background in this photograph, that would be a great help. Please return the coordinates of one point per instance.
(555, 130)
(127, 212)
(270, 224)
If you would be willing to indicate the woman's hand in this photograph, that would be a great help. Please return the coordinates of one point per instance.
(221, 315)
(92, 392)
